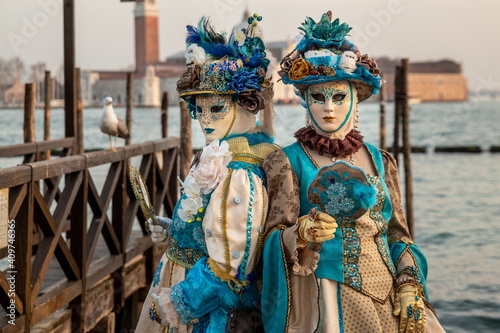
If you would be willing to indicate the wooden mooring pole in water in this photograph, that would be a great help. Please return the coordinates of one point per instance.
(402, 115)
(80, 149)
(46, 112)
(130, 101)
(29, 117)
(69, 70)
(164, 114)
(29, 112)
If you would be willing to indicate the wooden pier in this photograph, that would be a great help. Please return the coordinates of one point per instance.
(78, 267)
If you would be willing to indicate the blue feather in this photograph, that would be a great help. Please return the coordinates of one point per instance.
(366, 194)
(221, 50)
(193, 36)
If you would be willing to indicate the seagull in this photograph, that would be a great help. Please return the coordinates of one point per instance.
(111, 124)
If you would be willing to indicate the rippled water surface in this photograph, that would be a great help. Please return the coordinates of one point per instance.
(456, 196)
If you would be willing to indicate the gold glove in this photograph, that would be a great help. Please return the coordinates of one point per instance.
(409, 305)
(317, 227)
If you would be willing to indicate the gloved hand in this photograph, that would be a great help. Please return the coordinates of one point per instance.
(409, 305)
(160, 232)
(159, 308)
(316, 227)
(166, 311)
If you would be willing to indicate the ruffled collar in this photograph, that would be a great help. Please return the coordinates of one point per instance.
(334, 147)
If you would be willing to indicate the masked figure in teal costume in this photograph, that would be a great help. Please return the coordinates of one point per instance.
(207, 280)
(338, 256)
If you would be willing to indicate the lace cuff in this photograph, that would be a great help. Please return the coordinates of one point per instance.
(304, 260)
(177, 298)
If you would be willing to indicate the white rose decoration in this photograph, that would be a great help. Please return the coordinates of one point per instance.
(212, 168)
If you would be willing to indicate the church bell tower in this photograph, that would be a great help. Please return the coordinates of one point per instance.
(147, 49)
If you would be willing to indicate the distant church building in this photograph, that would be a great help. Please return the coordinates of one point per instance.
(153, 77)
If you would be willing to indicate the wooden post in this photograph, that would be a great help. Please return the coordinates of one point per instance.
(24, 252)
(46, 114)
(128, 115)
(78, 247)
(69, 70)
(186, 150)
(79, 114)
(118, 222)
(164, 115)
(405, 111)
(383, 99)
(29, 112)
(397, 114)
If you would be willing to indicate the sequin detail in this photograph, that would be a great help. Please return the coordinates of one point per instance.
(185, 257)
(156, 278)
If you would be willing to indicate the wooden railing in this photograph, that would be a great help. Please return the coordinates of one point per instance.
(77, 210)
(34, 151)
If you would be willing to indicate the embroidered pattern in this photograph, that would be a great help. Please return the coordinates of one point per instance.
(351, 250)
(223, 221)
(244, 263)
(335, 199)
(185, 257)
(260, 244)
(381, 222)
(156, 278)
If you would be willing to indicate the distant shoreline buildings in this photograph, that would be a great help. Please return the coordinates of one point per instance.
(430, 81)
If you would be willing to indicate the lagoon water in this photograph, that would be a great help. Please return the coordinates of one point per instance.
(456, 196)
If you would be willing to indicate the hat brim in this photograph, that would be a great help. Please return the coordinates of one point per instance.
(366, 84)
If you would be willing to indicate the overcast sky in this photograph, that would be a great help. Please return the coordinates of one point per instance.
(462, 30)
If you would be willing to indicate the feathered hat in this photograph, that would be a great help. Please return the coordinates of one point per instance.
(218, 65)
(324, 55)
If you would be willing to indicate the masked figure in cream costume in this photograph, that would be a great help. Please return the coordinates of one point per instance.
(207, 278)
(338, 256)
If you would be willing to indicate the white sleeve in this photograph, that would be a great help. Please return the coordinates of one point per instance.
(233, 221)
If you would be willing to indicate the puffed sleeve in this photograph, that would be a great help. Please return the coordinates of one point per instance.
(232, 224)
(284, 209)
(234, 220)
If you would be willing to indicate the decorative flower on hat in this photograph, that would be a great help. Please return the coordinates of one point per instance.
(300, 69)
(324, 29)
(243, 81)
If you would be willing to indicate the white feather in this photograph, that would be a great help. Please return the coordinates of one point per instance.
(195, 55)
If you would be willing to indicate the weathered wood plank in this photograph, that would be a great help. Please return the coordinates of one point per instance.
(100, 300)
(15, 176)
(58, 322)
(135, 275)
(60, 295)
